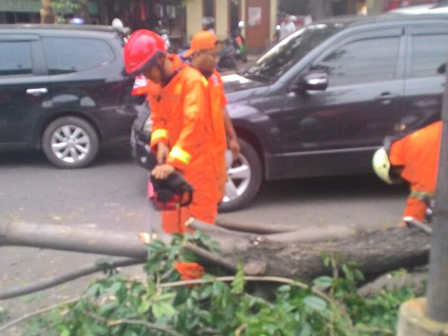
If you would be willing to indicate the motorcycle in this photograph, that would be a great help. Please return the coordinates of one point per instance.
(240, 43)
(227, 55)
(164, 33)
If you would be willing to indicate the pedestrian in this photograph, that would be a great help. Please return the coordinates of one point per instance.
(287, 27)
(362, 7)
(204, 55)
(181, 136)
(208, 24)
(414, 159)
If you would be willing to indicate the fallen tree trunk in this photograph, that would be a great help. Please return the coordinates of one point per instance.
(375, 252)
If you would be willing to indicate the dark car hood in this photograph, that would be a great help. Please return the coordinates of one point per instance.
(236, 82)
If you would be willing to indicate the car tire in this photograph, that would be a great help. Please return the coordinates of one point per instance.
(247, 188)
(70, 142)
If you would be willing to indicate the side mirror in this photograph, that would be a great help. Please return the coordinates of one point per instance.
(315, 81)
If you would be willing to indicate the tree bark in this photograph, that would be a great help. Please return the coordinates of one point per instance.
(320, 9)
(46, 13)
(84, 11)
(273, 254)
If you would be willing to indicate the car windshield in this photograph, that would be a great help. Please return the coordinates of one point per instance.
(275, 62)
(441, 5)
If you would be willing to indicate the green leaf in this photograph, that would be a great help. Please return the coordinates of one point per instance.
(115, 288)
(65, 332)
(206, 316)
(238, 283)
(161, 309)
(205, 293)
(166, 297)
(106, 308)
(315, 303)
(284, 288)
(306, 330)
(144, 307)
(93, 290)
(323, 282)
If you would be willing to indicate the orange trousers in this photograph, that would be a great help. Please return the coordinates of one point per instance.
(416, 209)
(205, 208)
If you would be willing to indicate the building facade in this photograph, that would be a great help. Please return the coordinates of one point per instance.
(259, 17)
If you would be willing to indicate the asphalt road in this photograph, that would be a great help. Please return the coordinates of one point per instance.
(111, 195)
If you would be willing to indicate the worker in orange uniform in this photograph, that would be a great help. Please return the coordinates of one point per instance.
(204, 57)
(414, 158)
(181, 137)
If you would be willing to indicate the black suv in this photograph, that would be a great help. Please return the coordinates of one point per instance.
(321, 101)
(63, 89)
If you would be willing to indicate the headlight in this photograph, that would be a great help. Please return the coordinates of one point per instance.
(147, 127)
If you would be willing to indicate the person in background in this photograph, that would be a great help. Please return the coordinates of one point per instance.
(362, 8)
(208, 24)
(287, 27)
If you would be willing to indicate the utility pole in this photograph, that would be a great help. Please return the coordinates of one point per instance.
(438, 269)
(429, 316)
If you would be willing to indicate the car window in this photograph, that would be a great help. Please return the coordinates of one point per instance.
(66, 55)
(15, 58)
(429, 53)
(362, 61)
(280, 58)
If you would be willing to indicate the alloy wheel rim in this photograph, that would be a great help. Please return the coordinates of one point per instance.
(70, 144)
(238, 177)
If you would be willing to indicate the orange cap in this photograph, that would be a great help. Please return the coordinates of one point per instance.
(204, 40)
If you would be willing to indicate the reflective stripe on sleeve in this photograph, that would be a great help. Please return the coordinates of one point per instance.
(160, 133)
(181, 155)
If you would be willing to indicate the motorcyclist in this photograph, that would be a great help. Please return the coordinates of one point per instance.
(208, 24)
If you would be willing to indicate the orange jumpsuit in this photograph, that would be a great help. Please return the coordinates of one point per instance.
(181, 119)
(418, 154)
(218, 102)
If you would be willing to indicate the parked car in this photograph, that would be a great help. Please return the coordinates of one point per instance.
(432, 8)
(416, 9)
(321, 101)
(63, 89)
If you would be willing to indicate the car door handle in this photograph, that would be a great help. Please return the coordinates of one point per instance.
(386, 95)
(37, 92)
(386, 98)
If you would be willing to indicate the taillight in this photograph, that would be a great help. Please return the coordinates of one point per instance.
(140, 85)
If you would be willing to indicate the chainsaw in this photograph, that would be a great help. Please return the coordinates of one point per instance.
(171, 193)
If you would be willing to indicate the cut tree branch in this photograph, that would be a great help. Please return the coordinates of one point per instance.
(37, 313)
(73, 275)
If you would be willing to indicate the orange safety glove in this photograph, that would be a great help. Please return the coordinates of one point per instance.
(190, 271)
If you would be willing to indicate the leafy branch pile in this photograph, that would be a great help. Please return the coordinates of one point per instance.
(164, 305)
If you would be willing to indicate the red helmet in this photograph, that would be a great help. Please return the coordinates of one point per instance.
(141, 50)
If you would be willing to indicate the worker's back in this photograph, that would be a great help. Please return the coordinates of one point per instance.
(418, 153)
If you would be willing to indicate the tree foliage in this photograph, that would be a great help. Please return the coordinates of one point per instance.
(164, 305)
(64, 7)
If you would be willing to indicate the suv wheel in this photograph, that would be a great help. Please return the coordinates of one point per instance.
(70, 142)
(244, 178)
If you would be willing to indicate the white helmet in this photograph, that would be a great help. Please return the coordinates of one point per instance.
(381, 166)
(117, 24)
